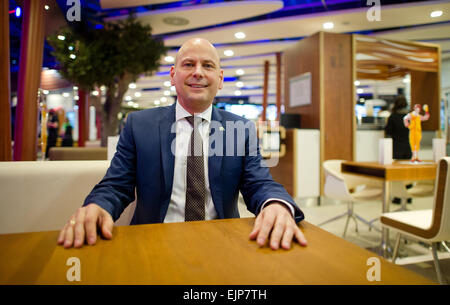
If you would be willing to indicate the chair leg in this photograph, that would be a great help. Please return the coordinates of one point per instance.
(441, 277)
(397, 246)
(369, 223)
(333, 219)
(444, 245)
(346, 225)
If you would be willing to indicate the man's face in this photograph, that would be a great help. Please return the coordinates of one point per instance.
(196, 75)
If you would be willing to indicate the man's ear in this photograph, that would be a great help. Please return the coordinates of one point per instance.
(172, 73)
(221, 79)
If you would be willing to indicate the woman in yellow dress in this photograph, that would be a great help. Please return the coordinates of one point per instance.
(413, 121)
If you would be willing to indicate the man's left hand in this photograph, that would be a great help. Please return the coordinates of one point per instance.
(276, 220)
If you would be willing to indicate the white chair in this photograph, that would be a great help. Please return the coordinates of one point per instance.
(431, 225)
(349, 188)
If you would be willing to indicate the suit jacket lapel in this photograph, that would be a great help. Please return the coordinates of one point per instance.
(167, 138)
(215, 163)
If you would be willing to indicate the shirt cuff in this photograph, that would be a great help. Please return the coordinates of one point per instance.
(291, 208)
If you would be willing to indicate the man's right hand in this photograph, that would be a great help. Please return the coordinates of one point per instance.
(83, 224)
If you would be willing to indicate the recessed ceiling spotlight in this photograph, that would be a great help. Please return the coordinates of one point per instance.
(239, 84)
(360, 90)
(357, 82)
(169, 59)
(239, 35)
(132, 86)
(137, 94)
(328, 25)
(167, 83)
(240, 72)
(46, 7)
(177, 21)
(435, 14)
(237, 93)
(228, 53)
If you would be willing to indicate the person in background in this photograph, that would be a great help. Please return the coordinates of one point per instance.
(413, 121)
(396, 129)
(67, 138)
(52, 130)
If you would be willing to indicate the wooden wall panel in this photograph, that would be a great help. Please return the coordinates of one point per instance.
(5, 88)
(301, 58)
(425, 90)
(338, 115)
(283, 173)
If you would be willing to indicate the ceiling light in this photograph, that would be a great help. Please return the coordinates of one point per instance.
(357, 83)
(132, 86)
(166, 93)
(65, 94)
(46, 7)
(130, 103)
(163, 99)
(94, 93)
(359, 91)
(128, 98)
(45, 92)
(61, 37)
(137, 94)
(156, 102)
(172, 88)
(435, 14)
(73, 56)
(174, 20)
(75, 88)
(240, 72)
(239, 84)
(237, 93)
(169, 58)
(239, 35)
(76, 97)
(328, 25)
(228, 53)
(167, 83)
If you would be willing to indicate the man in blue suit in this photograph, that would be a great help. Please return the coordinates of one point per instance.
(171, 186)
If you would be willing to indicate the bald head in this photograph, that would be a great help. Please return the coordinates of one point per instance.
(198, 43)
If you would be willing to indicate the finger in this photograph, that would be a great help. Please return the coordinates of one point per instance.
(277, 233)
(107, 225)
(68, 236)
(90, 224)
(287, 238)
(61, 235)
(79, 228)
(266, 227)
(300, 237)
(257, 226)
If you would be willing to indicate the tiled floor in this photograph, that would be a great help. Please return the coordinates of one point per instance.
(370, 239)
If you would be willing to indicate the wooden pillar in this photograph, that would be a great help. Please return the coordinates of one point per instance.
(278, 58)
(265, 90)
(83, 118)
(5, 87)
(30, 65)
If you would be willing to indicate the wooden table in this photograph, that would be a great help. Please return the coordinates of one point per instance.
(216, 252)
(397, 171)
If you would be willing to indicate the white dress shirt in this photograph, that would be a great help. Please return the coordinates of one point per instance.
(176, 210)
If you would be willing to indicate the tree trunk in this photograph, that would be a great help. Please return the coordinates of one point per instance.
(110, 109)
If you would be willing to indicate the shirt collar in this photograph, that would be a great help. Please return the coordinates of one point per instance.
(181, 113)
